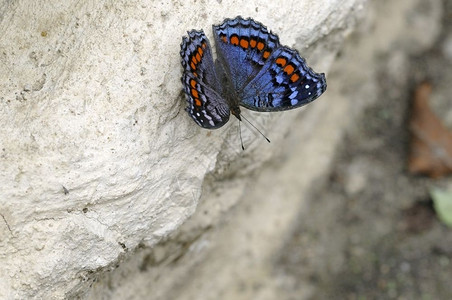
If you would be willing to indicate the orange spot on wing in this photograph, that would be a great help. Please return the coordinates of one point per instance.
(234, 40)
(260, 46)
(194, 93)
(192, 83)
(294, 77)
(198, 57)
(204, 45)
(224, 39)
(281, 61)
(289, 69)
(193, 66)
(266, 54)
(244, 43)
(200, 51)
(198, 102)
(253, 43)
(195, 74)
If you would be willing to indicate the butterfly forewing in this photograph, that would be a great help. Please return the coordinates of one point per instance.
(243, 46)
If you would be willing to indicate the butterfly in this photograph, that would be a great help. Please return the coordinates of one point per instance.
(252, 70)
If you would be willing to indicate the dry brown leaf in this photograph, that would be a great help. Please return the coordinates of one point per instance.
(431, 144)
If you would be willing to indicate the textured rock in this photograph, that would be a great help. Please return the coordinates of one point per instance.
(97, 156)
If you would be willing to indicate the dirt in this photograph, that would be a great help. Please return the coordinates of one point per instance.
(371, 231)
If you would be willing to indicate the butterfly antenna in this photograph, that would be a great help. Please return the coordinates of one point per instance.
(240, 134)
(254, 128)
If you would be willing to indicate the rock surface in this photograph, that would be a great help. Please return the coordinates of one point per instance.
(100, 166)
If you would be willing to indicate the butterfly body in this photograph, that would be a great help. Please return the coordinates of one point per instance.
(252, 70)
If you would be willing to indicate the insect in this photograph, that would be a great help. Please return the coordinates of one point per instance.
(252, 70)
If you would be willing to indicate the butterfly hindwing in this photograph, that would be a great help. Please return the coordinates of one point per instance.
(203, 105)
(285, 82)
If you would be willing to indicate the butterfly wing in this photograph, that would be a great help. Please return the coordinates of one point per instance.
(243, 47)
(201, 86)
(205, 106)
(265, 76)
(285, 82)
